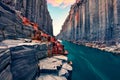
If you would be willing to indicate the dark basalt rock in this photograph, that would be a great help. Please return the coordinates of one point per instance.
(5, 60)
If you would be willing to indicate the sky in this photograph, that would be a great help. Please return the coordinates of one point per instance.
(59, 10)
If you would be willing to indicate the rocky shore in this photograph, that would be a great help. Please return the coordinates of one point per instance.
(29, 61)
(55, 68)
(115, 49)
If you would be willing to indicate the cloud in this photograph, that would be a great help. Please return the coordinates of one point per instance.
(61, 3)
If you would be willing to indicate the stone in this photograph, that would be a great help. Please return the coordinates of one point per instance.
(5, 60)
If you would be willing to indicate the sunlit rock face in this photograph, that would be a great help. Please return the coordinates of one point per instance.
(93, 20)
(35, 10)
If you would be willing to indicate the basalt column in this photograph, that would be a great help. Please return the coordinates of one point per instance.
(94, 21)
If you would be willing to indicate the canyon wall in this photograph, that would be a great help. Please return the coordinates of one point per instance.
(93, 21)
(35, 10)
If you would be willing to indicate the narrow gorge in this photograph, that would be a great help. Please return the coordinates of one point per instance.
(87, 47)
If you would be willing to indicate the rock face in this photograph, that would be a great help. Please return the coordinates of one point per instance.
(93, 21)
(5, 59)
(19, 61)
(30, 61)
(35, 10)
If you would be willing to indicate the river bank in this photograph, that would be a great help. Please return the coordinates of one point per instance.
(21, 60)
(115, 49)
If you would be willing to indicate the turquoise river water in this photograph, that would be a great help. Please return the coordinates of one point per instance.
(92, 64)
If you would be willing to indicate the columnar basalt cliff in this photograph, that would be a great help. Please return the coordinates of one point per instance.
(35, 10)
(93, 21)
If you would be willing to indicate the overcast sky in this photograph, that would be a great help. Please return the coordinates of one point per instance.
(59, 9)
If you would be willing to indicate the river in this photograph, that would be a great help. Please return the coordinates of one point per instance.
(92, 64)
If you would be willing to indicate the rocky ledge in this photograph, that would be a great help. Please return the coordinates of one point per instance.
(29, 61)
(55, 68)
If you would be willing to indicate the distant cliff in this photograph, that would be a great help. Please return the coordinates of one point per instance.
(93, 21)
(35, 10)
